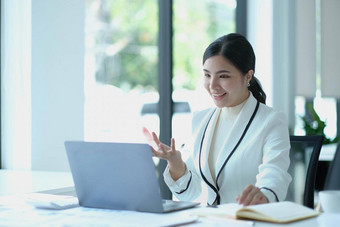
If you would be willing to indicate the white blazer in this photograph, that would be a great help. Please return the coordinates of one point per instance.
(261, 158)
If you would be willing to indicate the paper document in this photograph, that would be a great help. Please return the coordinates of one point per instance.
(48, 201)
(17, 211)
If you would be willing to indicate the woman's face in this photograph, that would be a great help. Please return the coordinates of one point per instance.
(226, 85)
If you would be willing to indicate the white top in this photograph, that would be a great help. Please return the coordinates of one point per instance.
(226, 119)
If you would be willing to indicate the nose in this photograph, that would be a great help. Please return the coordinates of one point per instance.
(214, 83)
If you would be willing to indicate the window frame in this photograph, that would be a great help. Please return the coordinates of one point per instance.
(165, 67)
(1, 2)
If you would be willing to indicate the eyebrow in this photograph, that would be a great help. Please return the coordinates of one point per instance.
(221, 71)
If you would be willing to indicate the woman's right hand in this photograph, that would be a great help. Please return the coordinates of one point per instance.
(174, 158)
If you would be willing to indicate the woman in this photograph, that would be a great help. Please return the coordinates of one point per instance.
(240, 149)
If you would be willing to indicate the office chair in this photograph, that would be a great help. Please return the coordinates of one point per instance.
(333, 175)
(305, 151)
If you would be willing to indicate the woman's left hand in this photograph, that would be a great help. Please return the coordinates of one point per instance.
(251, 195)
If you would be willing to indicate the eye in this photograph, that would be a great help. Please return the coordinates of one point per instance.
(224, 76)
(206, 75)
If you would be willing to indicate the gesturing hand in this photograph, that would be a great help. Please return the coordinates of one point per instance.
(173, 156)
(251, 195)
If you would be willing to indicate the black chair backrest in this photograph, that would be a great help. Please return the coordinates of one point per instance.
(302, 144)
(333, 175)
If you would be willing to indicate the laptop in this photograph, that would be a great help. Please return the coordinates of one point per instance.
(120, 176)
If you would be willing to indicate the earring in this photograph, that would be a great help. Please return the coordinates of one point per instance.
(248, 84)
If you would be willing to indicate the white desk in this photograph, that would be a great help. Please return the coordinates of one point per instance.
(14, 183)
(18, 182)
(21, 216)
(323, 220)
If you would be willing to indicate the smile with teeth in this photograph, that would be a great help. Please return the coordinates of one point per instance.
(218, 96)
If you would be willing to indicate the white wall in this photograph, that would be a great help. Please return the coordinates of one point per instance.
(16, 84)
(260, 35)
(306, 48)
(284, 58)
(271, 30)
(330, 48)
(57, 80)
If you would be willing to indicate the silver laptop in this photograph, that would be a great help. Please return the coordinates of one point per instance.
(119, 176)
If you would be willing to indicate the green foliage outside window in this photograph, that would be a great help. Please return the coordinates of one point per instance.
(313, 125)
(126, 32)
(128, 37)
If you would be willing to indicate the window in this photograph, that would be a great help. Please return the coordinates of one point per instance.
(120, 68)
(93, 73)
(191, 37)
(15, 84)
(121, 64)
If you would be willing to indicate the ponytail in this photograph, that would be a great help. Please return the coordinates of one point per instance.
(257, 91)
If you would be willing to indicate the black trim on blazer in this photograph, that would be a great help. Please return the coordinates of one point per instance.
(205, 179)
(276, 198)
(216, 189)
(187, 184)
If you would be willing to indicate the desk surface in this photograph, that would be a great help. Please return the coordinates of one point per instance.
(80, 216)
(17, 182)
(323, 220)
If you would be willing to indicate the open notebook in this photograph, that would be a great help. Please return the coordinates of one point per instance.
(118, 176)
(281, 212)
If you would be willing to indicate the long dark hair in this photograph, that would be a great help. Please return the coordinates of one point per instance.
(237, 49)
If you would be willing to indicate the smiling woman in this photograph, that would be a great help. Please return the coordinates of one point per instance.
(241, 131)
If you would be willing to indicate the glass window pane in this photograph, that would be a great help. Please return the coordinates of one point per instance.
(120, 69)
(196, 24)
